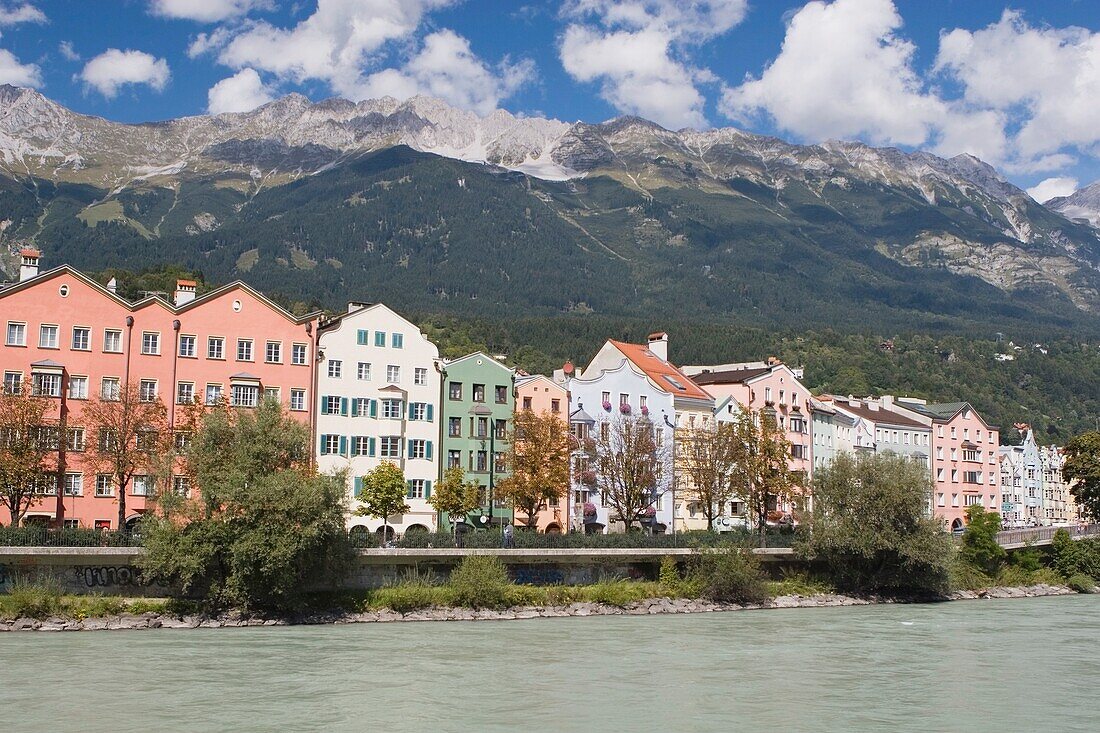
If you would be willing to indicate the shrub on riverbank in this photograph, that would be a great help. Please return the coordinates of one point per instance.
(1081, 583)
(480, 581)
(732, 575)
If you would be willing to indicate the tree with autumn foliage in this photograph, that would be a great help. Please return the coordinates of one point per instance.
(707, 461)
(128, 432)
(539, 461)
(455, 496)
(632, 466)
(762, 475)
(23, 450)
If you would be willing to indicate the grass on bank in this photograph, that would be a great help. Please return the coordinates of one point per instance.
(42, 598)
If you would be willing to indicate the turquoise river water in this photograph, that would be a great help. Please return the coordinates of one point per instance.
(1014, 665)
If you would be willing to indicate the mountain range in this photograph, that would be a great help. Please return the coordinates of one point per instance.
(429, 207)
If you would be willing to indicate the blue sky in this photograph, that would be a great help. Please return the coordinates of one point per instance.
(1016, 85)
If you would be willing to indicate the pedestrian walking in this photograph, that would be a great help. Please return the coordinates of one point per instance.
(509, 535)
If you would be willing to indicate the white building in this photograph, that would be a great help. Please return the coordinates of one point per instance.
(378, 391)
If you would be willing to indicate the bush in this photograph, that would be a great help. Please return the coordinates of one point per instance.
(669, 575)
(979, 540)
(1081, 583)
(33, 598)
(480, 581)
(615, 592)
(964, 576)
(733, 575)
(801, 583)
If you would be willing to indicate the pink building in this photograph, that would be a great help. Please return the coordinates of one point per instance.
(74, 339)
(541, 395)
(965, 466)
(771, 387)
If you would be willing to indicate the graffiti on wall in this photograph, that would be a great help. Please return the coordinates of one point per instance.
(107, 576)
(537, 575)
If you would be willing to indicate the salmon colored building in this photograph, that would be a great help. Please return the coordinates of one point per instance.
(74, 340)
(541, 394)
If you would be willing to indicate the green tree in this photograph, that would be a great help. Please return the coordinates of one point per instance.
(762, 475)
(869, 530)
(454, 496)
(979, 540)
(707, 459)
(261, 534)
(1082, 468)
(383, 494)
(23, 450)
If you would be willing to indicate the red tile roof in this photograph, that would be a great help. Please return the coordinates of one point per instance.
(667, 377)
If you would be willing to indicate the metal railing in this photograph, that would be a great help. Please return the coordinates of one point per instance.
(1044, 535)
(69, 537)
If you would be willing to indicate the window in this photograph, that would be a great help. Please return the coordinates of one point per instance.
(46, 385)
(330, 405)
(940, 500)
(78, 388)
(335, 368)
(110, 388)
(939, 474)
(972, 477)
(112, 341)
(971, 500)
(361, 337)
(74, 440)
(482, 427)
(454, 390)
(297, 399)
(143, 486)
(273, 393)
(362, 371)
(391, 447)
(501, 395)
(454, 427)
(360, 406)
(82, 338)
(147, 390)
(391, 409)
(181, 439)
(417, 489)
(181, 485)
(74, 484)
(501, 429)
(418, 411)
(954, 475)
(104, 485)
(330, 445)
(953, 433)
(555, 406)
(274, 352)
(479, 393)
(215, 347)
(213, 394)
(526, 403)
(379, 338)
(13, 382)
(418, 449)
(185, 393)
(244, 395)
(970, 454)
(393, 374)
(298, 354)
(244, 349)
(482, 463)
(420, 376)
(798, 451)
(397, 340)
(454, 458)
(47, 336)
(150, 343)
(17, 334)
(187, 347)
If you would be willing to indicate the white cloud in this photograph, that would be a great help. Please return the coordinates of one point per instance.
(65, 48)
(17, 74)
(446, 68)
(22, 13)
(207, 11)
(1052, 188)
(207, 42)
(113, 68)
(637, 51)
(242, 92)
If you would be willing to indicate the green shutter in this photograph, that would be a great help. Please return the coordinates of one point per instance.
(410, 449)
(370, 447)
(343, 445)
(429, 407)
(355, 407)
(374, 408)
(428, 488)
(344, 406)
(379, 338)
(428, 449)
(358, 486)
(323, 449)
(412, 410)
(409, 490)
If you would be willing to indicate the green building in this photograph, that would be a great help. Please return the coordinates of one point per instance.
(477, 404)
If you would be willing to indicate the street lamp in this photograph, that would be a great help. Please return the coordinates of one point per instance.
(485, 412)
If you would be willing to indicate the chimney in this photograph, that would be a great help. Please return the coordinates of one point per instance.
(354, 305)
(28, 266)
(773, 360)
(112, 286)
(185, 291)
(658, 344)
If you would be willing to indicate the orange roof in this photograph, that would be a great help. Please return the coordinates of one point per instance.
(667, 377)
(186, 283)
(29, 252)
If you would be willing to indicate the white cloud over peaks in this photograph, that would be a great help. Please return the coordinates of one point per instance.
(1052, 188)
(1046, 80)
(17, 74)
(446, 68)
(242, 92)
(11, 14)
(112, 69)
(65, 48)
(207, 11)
(637, 51)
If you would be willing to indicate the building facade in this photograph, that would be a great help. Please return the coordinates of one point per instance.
(477, 405)
(1021, 473)
(75, 340)
(542, 394)
(378, 390)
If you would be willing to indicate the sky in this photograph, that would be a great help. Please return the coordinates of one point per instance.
(1016, 85)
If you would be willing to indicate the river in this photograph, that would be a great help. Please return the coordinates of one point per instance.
(1011, 665)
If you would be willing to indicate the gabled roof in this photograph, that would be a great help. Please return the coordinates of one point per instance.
(664, 375)
(731, 376)
(879, 415)
(941, 411)
(447, 363)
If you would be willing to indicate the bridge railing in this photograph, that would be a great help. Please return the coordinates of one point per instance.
(1044, 535)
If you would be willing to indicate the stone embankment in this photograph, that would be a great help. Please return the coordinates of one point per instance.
(653, 606)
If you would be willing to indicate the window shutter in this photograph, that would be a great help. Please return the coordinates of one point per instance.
(409, 490)
(428, 488)
(412, 410)
(429, 412)
(374, 408)
(428, 449)
(355, 408)
(358, 486)
(411, 443)
(344, 406)
(370, 447)
(343, 445)
(324, 446)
